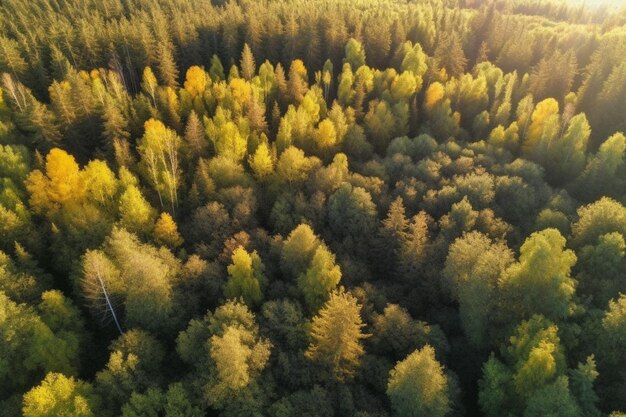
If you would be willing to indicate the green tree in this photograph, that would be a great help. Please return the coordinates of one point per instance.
(611, 345)
(596, 219)
(136, 214)
(58, 395)
(228, 140)
(336, 333)
(228, 356)
(321, 277)
(533, 378)
(159, 150)
(540, 283)
(600, 265)
(166, 231)
(135, 364)
(216, 70)
(175, 402)
(261, 161)
(298, 250)
(30, 347)
(354, 54)
(418, 386)
(474, 266)
(604, 173)
(245, 277)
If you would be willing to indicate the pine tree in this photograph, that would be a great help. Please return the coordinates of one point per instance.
(245, 277)
(281, 85)
(194, 136)
(166, 231)
(115, 132)
(255, 113)
(11, 60)
(418, 386)
(261, 161)
(336, 333)
(297, 84)
(449, 54)
(377, 40)
(166, 66)
(354, 54)
(248, 66)
(216, 70)
(321, 277)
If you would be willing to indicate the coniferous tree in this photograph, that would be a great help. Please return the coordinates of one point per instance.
(418, 386)
(248, 66)
(336, 333)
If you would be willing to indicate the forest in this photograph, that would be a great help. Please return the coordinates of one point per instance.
(312, 208)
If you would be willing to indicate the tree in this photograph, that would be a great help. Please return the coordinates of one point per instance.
(297, 84)
(443, 123)
(236, 363)
(474, 266)
(59, 395)
(166, 66)
(35, 120)
(298, 250)
(321, 277)
(351, 212)
(554, 75)
(245, 277)
(540, 283)
(381, 124)
(248, 66)
(194, 136)
(533, 379)
(611, 361)
(138, 276)
(135, 364)
(326, 135)
(603, 174)
(136, 214)
(159, 149)
(596, 219)
(606, 114)
(336, 333)
(228, 356)
(568, 155)
(449, 54)
(294, 167)
(600, 265)
(228, 140)
(101, 286)
(149, 84)
(196, 81)
(30, 347)
(354, 54)
(377, 39)
(543, 129)
(166, 231)
(116, 133)
(418, 386)
(175, 402)
(216, 70)
(60, 185)
(261, 161)
(345, 91)
(415, 61)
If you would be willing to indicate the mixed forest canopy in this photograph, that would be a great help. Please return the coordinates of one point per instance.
(333, 208)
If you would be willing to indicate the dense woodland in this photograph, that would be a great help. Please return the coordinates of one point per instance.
(312, 208)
